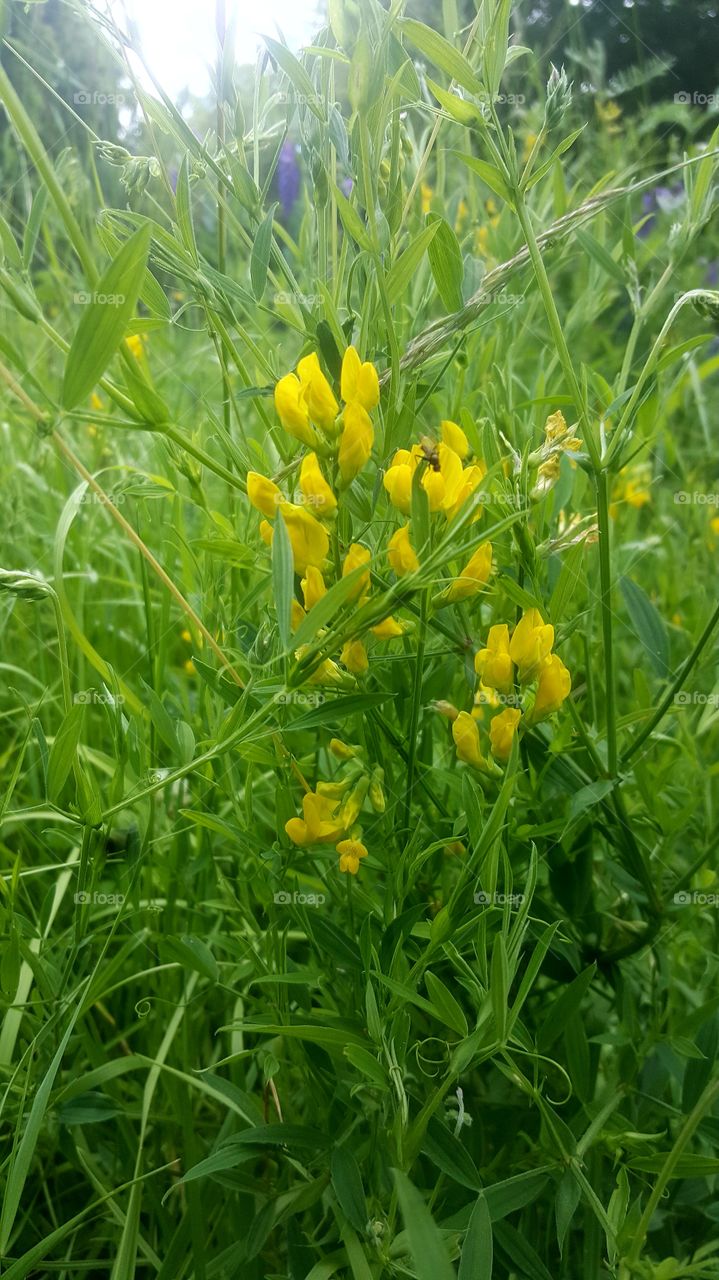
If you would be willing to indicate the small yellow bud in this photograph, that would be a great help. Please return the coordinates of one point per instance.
(401, 554)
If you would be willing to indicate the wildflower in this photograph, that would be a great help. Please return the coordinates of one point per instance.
(96, 402)
(135, 343)
(266, 532)
(632, 487)
(317, 392)
(714, 526)
(531, 644)
(442, 479)
(315, 488)
(356, 558)
(359, 382)
(502, 731)
(297, 613)
(190, 668)
(264, 494)
(313, 586)
(401, 554)
(354, 657)
(351, 851)
(388, 629)
(553, 687)
(610, 113)
(466, 739)
(326, 673)
(319, 824)
(351, 807)
(356, 441)
(454, 437)
(292, 410)
(186, 636)
(494, 665)
(427, 194)
(472, 577)
(376, 792)
(484, 698)
(309, 539)
(398, 481)
(547, 477)
(343, 750)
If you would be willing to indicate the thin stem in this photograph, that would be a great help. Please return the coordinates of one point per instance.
(605, 600)
(416, 704)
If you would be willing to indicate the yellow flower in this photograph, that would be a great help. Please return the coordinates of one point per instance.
(266, 532)
(297, 613)
(398, 480)
(320, 823)
(472, 577)
(442, 484)
(466, 739)
(186, 636)
(315, 488)
(494, 665)
(190, 668)
(357, 557)
(351, 851)
(401, 553)
(471, 478)
(426, 192)
(309, 539)
(359, 382)
(317, 392)
(313, 586)
(529, 142)
(454, 436)
(502, 731)
(714, 525)
(264, 494)
(135, 343)
(531, 644)
(292, 411)
(354, 657)
(553, 687)
(96, 402)
(388, 629)
(356, 441)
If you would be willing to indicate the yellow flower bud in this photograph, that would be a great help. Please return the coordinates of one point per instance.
(357, 557)
(351, 851)
(466, 739)
(398, 483)
(502, 731)
(292, 410)
(314, 487)
(494, 665)
(313, 586)
(264, 494)
(376, 793)
(453, 435)
(553, 687)
(356, 441)
(308, 537)
(350, 810)
(531, 644)
(473, 576)
(359, 381)
(354, 657)
(343, 750)
(388, 629)
(323, 408)
(401, 554)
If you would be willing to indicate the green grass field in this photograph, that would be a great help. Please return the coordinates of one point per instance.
(358, 681)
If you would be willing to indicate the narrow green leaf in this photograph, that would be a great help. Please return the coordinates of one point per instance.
(648, 624)
(478, 1249)
(260, 258)
(445, 260)
(347, 1182)
(282, 578)
(63, 752)
(441, 53)
(403, 271)
(426, 1246)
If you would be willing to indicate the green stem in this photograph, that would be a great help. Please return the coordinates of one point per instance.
(605, 594)
(416, 705)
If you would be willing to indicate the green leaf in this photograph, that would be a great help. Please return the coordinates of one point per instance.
(444, 1001)
(260, 258)
(403, 271)
(282, 578)
(184, 209)
(441, 53)
(192, 953)
(351, 221)
(446, 1151)
(366, 1062)
(426, 1246)
(648, 625)
(445, 260)
(460, 109)
(562, 1009)
(565, 1205)
(499, 985)
(489, 174)
(297, 75)
(105, 319)
(347, 1182)
(63, 752)
(478, 1248)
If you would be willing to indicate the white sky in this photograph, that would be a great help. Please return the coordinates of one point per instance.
(179, 35)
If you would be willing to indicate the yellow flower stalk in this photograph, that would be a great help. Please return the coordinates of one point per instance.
(494, 665)
(401, 553)
(531, 644)
(472, 577)
(315, 489)
(264, 494)
(317, 392)
(351, 851)
(313, 586)
(359, 382)
(553, 686)
(466, 739)
(309, 539)
(354, 657)
(357, 557)
(502, 731)
(356, 441)
(320, 823)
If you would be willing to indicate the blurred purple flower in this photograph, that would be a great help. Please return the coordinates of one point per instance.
(346, 186)
(288, 177)
(659, 200)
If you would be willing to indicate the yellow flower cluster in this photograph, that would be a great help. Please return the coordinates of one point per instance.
(558, 439)
(308, 410)
(632, 487)
(448, 481)
(330, 812)
(528, 653)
